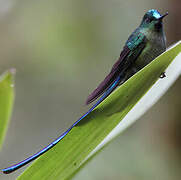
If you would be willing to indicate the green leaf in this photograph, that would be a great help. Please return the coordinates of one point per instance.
(66, 158)
(6, 101)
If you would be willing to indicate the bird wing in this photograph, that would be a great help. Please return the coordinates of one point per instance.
(129, 54)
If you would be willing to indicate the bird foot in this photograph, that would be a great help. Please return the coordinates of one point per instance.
(162, 75)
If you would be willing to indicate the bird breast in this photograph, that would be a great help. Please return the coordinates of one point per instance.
(154, 47)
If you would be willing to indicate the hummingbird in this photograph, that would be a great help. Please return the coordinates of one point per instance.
(146, 43)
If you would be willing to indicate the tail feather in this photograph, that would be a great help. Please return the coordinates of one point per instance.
(39, 153)
(116, 70)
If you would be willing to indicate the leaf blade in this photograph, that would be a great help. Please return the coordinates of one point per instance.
(6, 102)
(66, 158)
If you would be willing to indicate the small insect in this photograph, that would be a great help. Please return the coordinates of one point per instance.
(144, 44)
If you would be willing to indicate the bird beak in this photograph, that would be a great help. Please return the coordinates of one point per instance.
(163, 16)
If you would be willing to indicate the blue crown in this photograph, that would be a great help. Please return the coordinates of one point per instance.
(154, 13)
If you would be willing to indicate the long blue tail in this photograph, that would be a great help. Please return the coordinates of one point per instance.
(33, 157)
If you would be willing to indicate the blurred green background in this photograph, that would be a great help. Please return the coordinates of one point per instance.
(62, 50)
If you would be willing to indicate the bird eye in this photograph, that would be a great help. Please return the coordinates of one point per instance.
(148, 20)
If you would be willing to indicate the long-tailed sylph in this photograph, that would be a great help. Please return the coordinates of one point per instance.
(144, 44)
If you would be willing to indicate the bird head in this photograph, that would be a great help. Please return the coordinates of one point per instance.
(153, 20)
